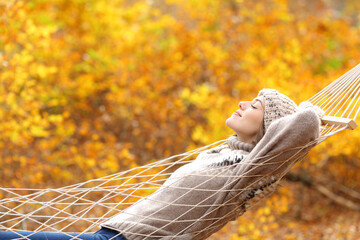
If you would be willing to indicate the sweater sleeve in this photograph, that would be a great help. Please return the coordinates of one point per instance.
(287, 141)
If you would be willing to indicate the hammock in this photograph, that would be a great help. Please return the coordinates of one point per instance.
(84, 206)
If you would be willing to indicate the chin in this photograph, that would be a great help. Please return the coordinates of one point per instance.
(229, 123)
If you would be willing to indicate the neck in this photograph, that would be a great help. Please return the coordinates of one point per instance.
(249, 140)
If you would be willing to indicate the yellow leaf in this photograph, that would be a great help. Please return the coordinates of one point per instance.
(38, 131)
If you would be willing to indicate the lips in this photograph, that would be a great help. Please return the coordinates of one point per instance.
(238, 113)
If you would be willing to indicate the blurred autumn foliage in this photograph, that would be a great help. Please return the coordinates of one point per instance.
(90, 88)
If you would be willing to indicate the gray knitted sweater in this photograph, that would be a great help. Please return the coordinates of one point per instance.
(199, 198)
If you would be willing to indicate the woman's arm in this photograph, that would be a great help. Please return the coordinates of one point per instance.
(287, 133)
(287, 140)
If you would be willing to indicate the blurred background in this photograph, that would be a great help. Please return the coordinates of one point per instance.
(93, 87)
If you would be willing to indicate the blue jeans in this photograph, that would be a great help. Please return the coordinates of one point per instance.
(102, 234)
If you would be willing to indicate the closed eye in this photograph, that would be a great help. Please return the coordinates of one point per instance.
(254, 102)
(257, 101)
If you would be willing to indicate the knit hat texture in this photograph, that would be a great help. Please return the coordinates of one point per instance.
(277, 105)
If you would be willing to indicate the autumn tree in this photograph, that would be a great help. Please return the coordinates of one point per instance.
(89, 88)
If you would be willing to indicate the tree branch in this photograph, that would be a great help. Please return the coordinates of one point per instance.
(309, 182)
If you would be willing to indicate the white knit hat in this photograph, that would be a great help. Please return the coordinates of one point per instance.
(277, 105)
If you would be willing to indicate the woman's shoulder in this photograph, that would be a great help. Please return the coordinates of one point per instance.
(218, 149)
(214, 151)
(220, 152)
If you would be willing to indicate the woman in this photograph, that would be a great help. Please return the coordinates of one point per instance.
(199, 198)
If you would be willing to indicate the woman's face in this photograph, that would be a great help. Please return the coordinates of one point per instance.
(248, 119)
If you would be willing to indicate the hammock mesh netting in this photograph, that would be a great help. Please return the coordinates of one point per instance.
(84, 206)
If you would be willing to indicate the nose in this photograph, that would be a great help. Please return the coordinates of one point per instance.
(243, 105)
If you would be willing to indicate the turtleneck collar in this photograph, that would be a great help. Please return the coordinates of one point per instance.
(235, 144)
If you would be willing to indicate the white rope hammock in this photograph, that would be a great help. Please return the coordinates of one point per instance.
(84, 206)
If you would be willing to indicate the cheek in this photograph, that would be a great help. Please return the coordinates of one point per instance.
(250, 123)
(256, 119)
